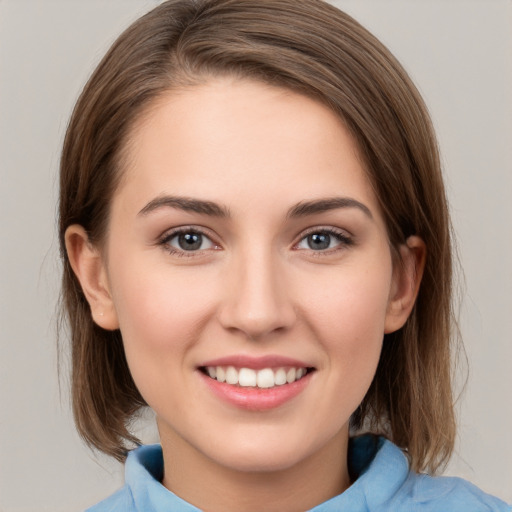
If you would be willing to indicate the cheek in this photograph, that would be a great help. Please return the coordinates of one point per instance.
(161, 314)
(348, 317)
(351, 304)
(159, 299)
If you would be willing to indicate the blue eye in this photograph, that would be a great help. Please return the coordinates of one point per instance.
(187, 241)
(319, 241)
(323, 240)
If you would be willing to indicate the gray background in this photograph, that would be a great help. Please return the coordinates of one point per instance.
(458, 51)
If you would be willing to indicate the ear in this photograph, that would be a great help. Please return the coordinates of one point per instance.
(407, 274)
(89, 268)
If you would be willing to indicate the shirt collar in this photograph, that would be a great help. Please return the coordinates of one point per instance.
(380, 469)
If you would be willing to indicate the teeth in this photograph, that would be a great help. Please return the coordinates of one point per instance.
(266, 378)
(247, 377)
(280, 377)
(231, 375)
(220, 374)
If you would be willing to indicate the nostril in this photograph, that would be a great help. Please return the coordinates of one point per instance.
(257, 324)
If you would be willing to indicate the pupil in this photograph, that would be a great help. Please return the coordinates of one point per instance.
(190, 241)
(319, 241)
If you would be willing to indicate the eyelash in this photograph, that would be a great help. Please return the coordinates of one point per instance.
(341, 237)
(166, 238)
(344, 240)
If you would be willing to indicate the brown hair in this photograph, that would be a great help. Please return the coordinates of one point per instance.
(315, 49)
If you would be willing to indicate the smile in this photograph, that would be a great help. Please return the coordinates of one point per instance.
(263, 378)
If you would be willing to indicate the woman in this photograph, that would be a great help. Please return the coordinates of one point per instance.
(256, 245)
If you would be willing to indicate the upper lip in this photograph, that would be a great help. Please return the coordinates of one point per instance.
(256, 363)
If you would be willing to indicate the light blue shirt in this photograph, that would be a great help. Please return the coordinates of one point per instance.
(384, 483)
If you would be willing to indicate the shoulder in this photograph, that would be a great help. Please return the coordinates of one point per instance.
(428, 494)
(143, 470)
(413, 491)
(143, 491)
(121, 501)
(384, 482)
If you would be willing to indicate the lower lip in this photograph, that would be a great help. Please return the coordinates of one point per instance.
(256, 399)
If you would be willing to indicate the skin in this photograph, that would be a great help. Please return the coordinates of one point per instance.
(254, 287)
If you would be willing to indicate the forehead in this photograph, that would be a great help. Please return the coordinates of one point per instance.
(237, 138)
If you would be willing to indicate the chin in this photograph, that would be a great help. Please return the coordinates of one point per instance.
(261, 462)
(257, 454)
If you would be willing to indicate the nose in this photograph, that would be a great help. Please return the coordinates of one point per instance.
(257, 299)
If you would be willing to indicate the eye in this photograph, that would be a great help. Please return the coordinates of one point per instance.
(187, 241)
(324, 240)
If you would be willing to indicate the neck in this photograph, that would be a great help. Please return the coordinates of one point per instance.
(213, 487)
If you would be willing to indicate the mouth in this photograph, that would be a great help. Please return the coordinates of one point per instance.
(263, 378)
(256, 383)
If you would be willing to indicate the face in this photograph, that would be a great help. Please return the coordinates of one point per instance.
(250, 273)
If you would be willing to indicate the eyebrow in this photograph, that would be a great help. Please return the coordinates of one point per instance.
(323, 205)
(212, 209)
(187, 204)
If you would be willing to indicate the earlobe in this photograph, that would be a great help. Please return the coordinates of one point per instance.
(89, 268)
(407, 274)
